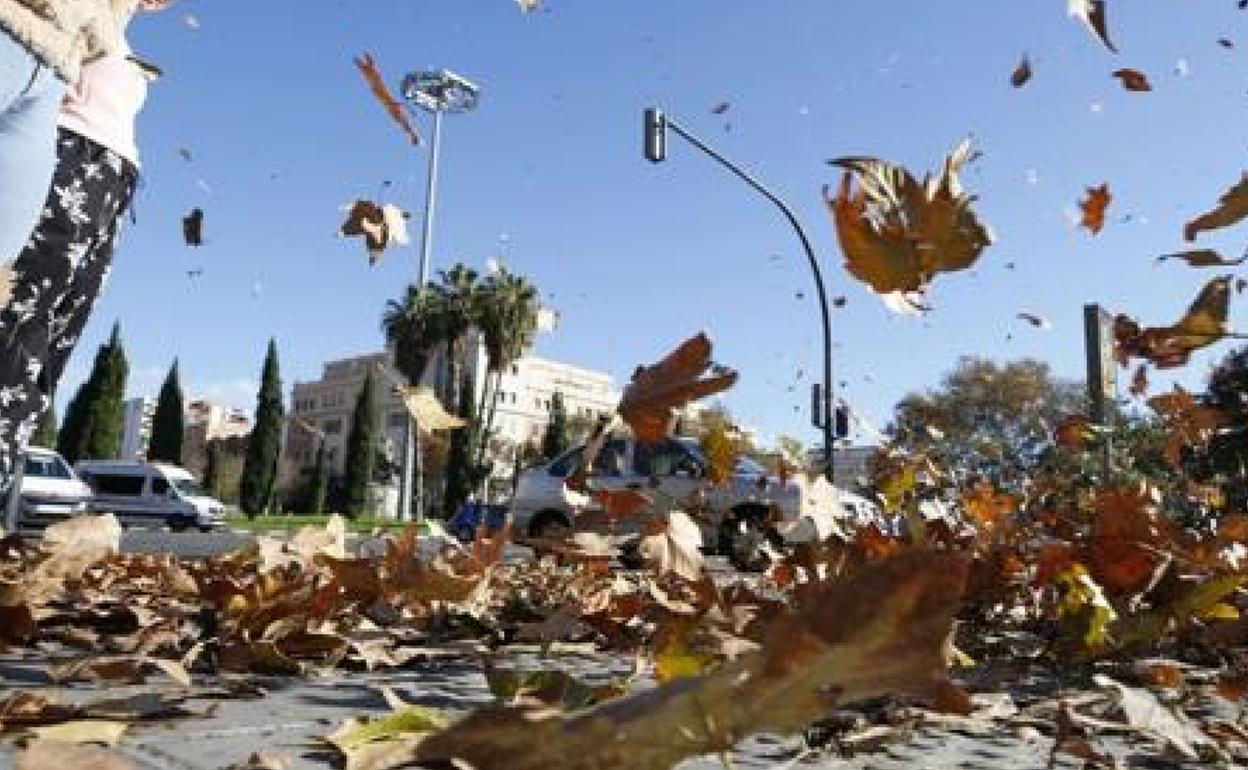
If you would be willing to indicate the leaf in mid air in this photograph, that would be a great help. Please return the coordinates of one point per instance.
(1022, 73)
(1093, 208)
(377, 84)
(655, 392)
(1133, 80)
(898, 233)
(1170, 346)
(1092, 14)
(1203, 258)
(1232, 208)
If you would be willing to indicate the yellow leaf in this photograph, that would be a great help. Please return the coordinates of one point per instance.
(99, 731)
(1232, 207)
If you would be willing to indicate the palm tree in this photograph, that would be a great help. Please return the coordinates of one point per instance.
(507, 319)
(457, 297)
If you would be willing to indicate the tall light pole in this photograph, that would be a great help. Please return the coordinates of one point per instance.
(832, 422)
(439, 92)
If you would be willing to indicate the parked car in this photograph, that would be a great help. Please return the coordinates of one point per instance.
(151, 495)
(675, 471)
(51, 491)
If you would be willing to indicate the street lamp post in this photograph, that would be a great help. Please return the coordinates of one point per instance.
(439, 92)
(824, 417)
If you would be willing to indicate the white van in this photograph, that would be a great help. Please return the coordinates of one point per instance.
(50, 489)
(150, 495)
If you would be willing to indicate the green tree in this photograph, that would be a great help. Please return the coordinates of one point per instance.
(212, 467)
(93, 422)
(507, 310)
(458, 295)
(462, 474)
(986, 419)
(168, 422)
(361, 458)
(45, 432)
(318, 483)
(555, 439)
(260, 466)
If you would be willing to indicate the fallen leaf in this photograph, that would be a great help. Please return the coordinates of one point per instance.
(1133, 80)
(1139, 381)
(897, 233)
(382, 227)
(1093, 207)
(99, 731)
(56, 755)
(674, 545)
(879, 632)
(1022, 73)
(1148, 715)
(377, 84)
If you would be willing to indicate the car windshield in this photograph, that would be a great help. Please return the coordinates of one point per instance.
(189, 488)
(47, 468)
(745, 466)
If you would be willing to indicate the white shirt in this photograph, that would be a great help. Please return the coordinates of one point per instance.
(105, 101)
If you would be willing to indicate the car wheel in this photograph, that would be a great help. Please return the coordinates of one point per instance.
(747, 540)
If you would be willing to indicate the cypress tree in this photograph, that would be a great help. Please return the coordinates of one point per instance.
(45, 433)
(93, 420)
(361, 459)
(212, 468)
(555, 439)
(260, 465)
(460, 474)
(318, 485)
(168, 421)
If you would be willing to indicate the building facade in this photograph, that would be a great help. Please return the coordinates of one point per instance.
(136, 427)
(204, 421)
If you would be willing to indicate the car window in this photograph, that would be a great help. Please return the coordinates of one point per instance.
(190, 488)
(46, 468)
(564, 465)
(668, 458)
(159, 486)
(610, 461)
(109, 484)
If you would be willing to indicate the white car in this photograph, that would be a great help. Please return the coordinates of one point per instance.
(51, 491)
(151, 495)
(673, 473)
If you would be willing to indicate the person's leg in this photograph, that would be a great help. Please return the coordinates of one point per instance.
(58, 276)
(30, 95)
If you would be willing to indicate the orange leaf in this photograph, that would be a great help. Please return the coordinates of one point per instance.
(1093, 208)
(1133, 80)
(655, 392)
(1022, 73)
(621, 503)
(377, 84)
(1171, 346)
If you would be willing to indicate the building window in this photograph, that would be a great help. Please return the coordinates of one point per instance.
(332, 427)
(513, 398)
(397, 419)
(515, 368)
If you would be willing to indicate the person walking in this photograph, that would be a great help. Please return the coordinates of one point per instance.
(43, 44)
(58, 275)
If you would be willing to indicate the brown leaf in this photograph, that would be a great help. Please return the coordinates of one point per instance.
(1022, 73)
(898, 233)
(193, 227)
(377, 84)
(1170, 346)
(1133, 80)
(53, 755)
(655, 392)
(622, 503)
(1203, 258)
(882, 631)
(381, 226)
(1092, 14)
(102, 731)
(1093, 208)
(674, 545)
(1232, 208)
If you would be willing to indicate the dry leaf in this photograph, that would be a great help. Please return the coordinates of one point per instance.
(1093, 208)
(377, 84)
(1040, 322)
(101, 731)
(381, 226)
(879, 632)
(898, 233)
(1170, 346)
(427, 410)
(1022, 73)
(1148, 715)
(193, 227)
(1232, 208)
(1139, 381)
(674, 545)
(655, 392)
(1204, 258)
(1092, 14)
(1133, 80)
(56, 755)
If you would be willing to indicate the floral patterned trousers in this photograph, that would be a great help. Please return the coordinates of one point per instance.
(56, 279)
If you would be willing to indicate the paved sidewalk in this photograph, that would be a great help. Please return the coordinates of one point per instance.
(293, 715)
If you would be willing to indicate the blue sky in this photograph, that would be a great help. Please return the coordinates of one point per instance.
(549, 174)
